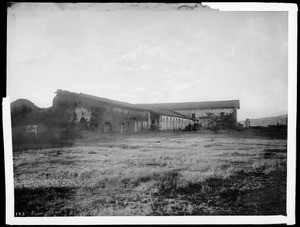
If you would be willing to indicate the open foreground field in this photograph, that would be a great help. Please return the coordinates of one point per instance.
(162, 173)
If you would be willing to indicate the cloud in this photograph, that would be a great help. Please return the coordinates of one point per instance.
(144, 57)
(26, 55)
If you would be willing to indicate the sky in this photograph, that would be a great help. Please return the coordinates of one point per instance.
(149, 56)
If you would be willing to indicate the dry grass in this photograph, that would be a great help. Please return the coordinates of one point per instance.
(152, 174)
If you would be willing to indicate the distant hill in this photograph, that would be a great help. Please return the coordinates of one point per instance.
(282, 120)
(25, 112)
(21, 103)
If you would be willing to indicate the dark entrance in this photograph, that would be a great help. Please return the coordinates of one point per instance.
(107, 127)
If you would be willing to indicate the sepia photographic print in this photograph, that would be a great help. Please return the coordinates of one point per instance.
(150, 113)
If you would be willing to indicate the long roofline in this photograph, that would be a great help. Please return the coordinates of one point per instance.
(160, 108)
(194, 105)
(100, 99)
(111, 101)
(129, 105)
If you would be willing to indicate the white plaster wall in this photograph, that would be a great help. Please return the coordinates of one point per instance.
(173, 123)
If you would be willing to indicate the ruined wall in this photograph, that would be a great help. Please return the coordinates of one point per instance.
(83, 113)
(80, 112)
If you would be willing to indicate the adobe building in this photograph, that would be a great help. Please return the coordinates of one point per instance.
(222, 114)
(80, 110)
(100, 114)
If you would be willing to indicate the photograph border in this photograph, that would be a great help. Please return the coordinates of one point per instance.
(291, 153)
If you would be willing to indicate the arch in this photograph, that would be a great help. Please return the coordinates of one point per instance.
(167, 123)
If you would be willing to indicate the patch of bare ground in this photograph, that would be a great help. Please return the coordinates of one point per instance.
(253, 193)
(52, 201)
(153, 174)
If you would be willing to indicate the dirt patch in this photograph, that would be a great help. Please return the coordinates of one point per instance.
(45, 202)
(276, 150)
(271, 153)
(239, 194)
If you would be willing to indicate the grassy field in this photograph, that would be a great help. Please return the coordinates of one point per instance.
(163, 173)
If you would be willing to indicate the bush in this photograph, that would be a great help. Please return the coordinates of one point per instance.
(168, 182)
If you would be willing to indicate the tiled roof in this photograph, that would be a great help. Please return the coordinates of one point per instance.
(194, 105)
(99, 100)
(166, 112)
(111, 101)
(167, 109)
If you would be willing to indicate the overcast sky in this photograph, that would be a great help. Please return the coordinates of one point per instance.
(147, 56)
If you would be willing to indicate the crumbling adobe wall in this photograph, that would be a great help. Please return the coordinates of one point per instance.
(75, 112)
(80, 113)
(84, 113)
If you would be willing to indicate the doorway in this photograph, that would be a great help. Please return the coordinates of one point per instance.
(107, 127)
